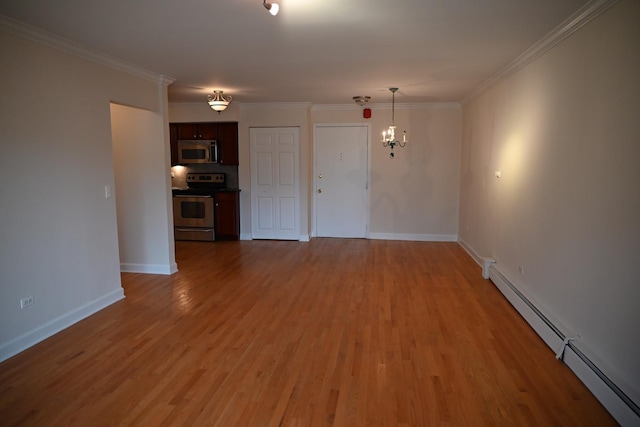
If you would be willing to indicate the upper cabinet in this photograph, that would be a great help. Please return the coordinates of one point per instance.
(225, 133)
(228, 143)
(173, 138)
(197, 130)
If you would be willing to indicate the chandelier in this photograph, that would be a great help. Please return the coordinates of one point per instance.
(389, 135)
(218, 102)
(361, 99)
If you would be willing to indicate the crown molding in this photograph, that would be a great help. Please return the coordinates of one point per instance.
(339, 107)
(576, 21)
(274, 105)
(42, 37)
(417, 106)
(165, 80)
(387, 106)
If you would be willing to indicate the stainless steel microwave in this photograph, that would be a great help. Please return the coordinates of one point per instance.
(191, 151)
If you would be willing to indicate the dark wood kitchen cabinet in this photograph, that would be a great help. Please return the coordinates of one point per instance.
(228, 143)
(227, 215)
(197, 130)
(225, 133)
(173, 140)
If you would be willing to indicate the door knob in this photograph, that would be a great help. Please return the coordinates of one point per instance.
(320, 176)
(319, 190)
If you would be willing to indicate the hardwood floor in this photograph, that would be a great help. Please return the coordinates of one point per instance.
(329, 332)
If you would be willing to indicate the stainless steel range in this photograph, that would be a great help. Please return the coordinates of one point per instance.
(193, 213)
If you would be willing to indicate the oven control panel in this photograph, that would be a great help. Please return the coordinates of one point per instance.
(214, 180)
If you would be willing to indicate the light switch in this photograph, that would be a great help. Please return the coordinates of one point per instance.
(107, 192)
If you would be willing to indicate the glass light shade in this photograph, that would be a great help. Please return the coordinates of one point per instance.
(218, 102)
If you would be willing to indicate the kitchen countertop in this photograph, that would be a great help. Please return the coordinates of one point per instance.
(202, 191)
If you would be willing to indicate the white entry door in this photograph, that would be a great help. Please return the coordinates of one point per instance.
(275, 183)
(341, 180)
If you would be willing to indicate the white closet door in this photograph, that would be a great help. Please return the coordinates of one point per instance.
(275, 183)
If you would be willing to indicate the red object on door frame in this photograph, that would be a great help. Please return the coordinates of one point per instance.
(366, 113)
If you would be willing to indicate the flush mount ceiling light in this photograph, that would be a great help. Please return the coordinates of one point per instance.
(389, 136)
(218, 102)
(361, 99)
(273, 8)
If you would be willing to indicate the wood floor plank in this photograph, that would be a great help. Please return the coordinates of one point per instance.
(332, 332)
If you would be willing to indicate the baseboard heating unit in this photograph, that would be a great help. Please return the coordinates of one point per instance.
(621, 406)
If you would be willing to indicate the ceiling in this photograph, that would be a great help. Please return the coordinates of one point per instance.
(323, 52)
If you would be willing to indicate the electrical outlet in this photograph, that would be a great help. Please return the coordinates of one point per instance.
(25, 302)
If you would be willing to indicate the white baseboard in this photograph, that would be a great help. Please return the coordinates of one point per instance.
(612, 401)
(483, 262)
(303, 237)
(166, 269)
(472, 253)
(23, 342)
(387, 236)
(415, 237)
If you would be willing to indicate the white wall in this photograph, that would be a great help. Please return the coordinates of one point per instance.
(564, 132)
(145, 230)
(58, 232)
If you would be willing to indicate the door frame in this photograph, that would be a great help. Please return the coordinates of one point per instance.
(367, 172)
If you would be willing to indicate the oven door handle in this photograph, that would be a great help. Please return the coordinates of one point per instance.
(192, 196)
(201, 230)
